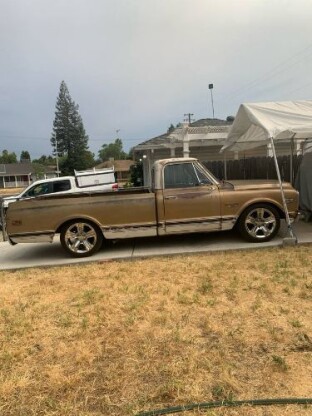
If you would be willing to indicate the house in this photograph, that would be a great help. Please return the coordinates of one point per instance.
(20, 175)
(16, 175)
(202, 139)
(121, 167)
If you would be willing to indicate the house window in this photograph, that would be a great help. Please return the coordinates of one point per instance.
(124, 175)
(8, 179)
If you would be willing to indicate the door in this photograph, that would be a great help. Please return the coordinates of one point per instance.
(191, 200)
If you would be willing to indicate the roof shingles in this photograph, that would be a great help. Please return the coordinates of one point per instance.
(13, 169)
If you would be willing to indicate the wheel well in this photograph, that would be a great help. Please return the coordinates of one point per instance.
(270, 204)
(279, 210)
(59, 228)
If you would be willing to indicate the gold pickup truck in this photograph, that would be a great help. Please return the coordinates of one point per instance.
(184, 198)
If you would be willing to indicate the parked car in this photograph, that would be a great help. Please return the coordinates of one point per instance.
(89, 180)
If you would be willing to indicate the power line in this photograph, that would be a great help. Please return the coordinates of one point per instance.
(8, 136)
(48, 138)
(300, 88)
(276, 70)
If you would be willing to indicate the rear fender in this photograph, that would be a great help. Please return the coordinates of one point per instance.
(77, 218)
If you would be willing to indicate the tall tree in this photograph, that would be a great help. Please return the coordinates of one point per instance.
(170, 128)
(69, 138)
(112, 150)
(7, 157)
(45, 160)
(25, 156)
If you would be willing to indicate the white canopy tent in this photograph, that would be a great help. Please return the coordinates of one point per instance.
(258, 123)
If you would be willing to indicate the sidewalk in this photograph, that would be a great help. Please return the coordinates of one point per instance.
(39, 254)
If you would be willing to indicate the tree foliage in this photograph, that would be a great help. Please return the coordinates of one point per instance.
(170, 128)
(25, 156)
(45, 160)
(7, 157)
(69, 138)
(136, 174)
(113, 150)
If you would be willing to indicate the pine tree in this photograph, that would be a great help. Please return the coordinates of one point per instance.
(25, 156)
(69, 138)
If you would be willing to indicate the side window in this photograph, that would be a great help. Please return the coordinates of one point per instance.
(40, 189)
(203, 179)
(180, 176)
(29, 192)
(61, 186)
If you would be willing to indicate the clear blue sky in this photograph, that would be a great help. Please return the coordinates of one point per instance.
(139, 65)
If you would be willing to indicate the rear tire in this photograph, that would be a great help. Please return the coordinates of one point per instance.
(259, 223)
(81, 238)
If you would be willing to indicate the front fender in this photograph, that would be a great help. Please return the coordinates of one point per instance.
(269, 201)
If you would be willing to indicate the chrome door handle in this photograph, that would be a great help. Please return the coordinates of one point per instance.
(171, 197)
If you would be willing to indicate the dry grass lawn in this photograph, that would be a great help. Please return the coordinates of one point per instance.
(10, 191)
(117, 338)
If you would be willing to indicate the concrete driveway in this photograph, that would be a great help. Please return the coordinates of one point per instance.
(38, 255)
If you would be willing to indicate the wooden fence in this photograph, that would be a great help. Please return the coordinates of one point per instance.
(255, 168)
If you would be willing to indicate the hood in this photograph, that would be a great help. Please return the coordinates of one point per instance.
(259, 184)
(8, 198)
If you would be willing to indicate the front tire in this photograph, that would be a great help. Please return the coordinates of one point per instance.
(81, 238)
(259, 223)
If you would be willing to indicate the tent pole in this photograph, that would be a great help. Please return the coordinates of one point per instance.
(225, 169)
(289, 227)
(291, 161)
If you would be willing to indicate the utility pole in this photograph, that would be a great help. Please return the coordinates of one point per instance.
(210, 87)
(188, 117)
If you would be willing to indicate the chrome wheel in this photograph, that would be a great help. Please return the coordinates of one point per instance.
(259, 223)
(81, 238)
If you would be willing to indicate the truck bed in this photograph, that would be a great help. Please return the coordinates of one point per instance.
(122, 191)
(118, 214)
